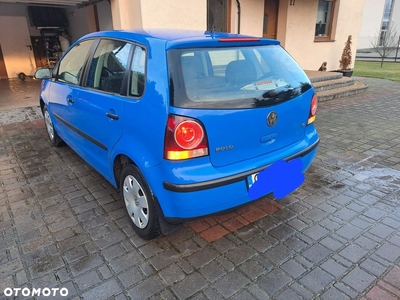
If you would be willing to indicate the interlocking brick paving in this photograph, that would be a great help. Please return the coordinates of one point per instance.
(213, 228)
(62, 225)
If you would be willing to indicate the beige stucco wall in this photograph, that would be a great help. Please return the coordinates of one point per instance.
(282, 22)
(126, 14)
(296, 24)
(300, 28)
(188, 14)
(371, 22)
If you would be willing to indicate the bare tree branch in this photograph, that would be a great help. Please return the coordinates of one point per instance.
(386, 43)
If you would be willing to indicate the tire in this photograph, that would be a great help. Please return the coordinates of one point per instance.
(55, 139)
(139, 203)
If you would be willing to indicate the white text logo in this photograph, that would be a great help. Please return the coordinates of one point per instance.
(26, 292)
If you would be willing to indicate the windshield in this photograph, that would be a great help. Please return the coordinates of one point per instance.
(235, 77)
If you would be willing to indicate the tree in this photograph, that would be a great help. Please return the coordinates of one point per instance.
(345, 60)
(386, 43)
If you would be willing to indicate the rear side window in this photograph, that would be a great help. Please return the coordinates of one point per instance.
(240, 77)
(138, 72)
(71, 66)
(108, 66)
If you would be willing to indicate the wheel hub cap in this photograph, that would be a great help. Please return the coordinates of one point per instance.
(49, 125)
(136, 202)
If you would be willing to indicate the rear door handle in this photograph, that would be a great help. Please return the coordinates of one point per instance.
(112, 116)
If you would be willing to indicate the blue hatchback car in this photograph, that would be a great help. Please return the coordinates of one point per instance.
(179, 121)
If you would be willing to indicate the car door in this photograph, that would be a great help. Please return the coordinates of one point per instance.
(98, 106)
(64, 89)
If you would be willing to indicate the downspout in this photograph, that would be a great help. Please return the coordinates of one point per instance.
(238, 8)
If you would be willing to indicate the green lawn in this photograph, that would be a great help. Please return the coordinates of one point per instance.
(390, 70)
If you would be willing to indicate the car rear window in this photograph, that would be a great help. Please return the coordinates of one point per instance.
(234, 77)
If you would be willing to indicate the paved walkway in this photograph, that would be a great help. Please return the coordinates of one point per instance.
(337, 237)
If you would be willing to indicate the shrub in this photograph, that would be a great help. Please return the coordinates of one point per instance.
(345, 60)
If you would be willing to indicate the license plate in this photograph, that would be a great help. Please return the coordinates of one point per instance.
(251, 179)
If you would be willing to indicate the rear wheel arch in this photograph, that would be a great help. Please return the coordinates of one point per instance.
(161, 226)
(137, 197)
(120, 162)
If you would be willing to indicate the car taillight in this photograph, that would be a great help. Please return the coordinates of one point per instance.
(313, 110)
(184, 138)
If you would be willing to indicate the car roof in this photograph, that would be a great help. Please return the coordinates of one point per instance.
(179, 38)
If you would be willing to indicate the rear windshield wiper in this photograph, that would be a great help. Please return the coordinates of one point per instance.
(280, 95)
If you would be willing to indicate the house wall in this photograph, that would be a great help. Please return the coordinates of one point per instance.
(82, 21)
(282, 25)
(190, 14)
(130, 14)
(300, 30)
(20, 10)
(104, 14)
(371, 22)
(251, 17)
(17, 60)
(18, 57)
(126, 14)
(296, 23)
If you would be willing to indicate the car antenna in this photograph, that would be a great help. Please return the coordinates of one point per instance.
(215, 19)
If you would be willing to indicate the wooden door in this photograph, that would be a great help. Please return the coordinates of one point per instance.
(270, 18)
(3, 71)
(39, 51)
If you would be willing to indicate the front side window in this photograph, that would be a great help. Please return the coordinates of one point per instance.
(71, 66)
(108, 66)
(239, 77)
(325, 14)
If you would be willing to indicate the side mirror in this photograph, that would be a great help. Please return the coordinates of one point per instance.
(42, 73)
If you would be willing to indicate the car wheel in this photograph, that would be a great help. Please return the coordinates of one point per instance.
(139, 202)
(51, 132)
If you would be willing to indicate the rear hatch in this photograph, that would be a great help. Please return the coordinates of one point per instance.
(252, 100)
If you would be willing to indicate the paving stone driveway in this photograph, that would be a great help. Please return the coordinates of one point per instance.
(337, 237)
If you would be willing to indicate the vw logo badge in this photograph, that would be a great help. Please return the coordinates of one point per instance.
(272, 118)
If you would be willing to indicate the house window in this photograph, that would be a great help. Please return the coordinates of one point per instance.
(387, 17)
(325, 13)
(217, 15)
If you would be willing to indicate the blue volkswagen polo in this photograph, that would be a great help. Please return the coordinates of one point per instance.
(179, 121)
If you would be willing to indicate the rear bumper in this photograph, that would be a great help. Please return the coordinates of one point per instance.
(194, 188)
(184, 206)
(198, 186)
